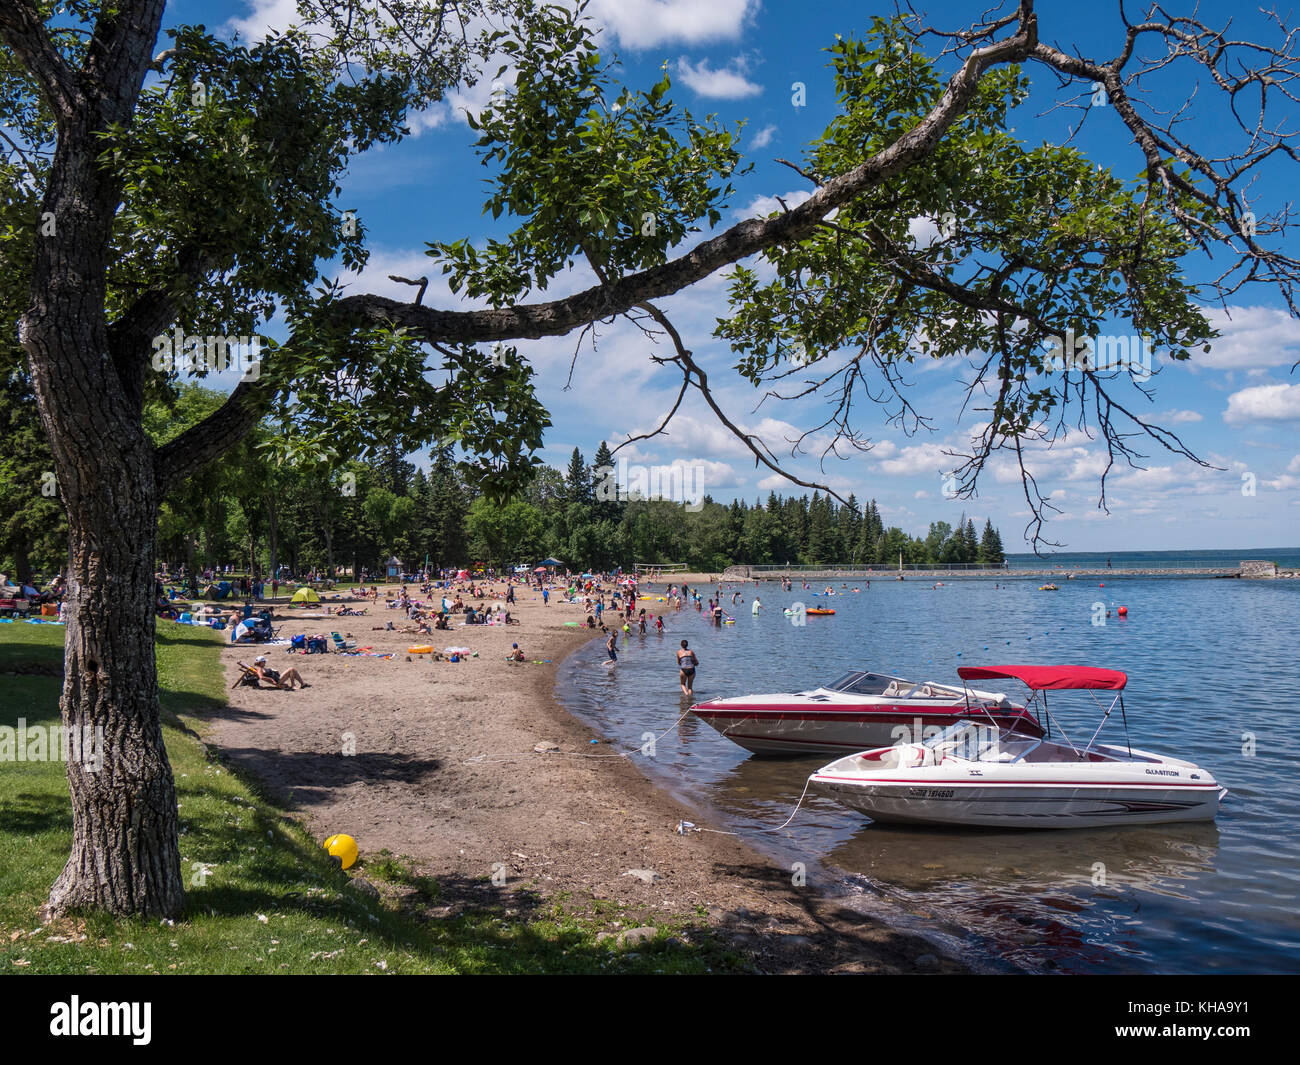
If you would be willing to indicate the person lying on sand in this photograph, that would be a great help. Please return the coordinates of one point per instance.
(260, 671)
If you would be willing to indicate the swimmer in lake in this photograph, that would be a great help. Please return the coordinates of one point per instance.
(686, 663)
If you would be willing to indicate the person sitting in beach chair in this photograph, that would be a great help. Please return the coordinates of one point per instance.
(241, 631)
(259, 671)
(261, 629)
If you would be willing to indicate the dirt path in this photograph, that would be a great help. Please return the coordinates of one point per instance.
(435, 761)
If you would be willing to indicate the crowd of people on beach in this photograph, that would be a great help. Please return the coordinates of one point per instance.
(436, 600)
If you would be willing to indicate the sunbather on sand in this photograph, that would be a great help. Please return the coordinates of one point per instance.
(284, 681)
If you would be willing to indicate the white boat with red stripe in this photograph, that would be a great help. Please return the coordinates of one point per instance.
(981, 774)
(857, 711)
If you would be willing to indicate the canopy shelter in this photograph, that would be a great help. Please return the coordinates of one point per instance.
(305, 595)
(551, 562)
(1042, 678)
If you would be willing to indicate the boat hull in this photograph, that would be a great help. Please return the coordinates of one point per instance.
(1012, 807)
(1052, 795)
(796, 730)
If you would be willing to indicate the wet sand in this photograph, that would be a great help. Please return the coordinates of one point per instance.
(435, 761)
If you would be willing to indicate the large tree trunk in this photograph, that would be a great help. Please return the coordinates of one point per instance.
(273, 533)
(328, 533)
(22, 565)
(125, 856)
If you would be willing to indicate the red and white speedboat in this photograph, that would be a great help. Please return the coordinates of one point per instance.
(981, 774)
(858, 711)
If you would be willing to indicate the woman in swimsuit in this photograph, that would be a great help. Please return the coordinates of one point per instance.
(284, 681)
(686, 663)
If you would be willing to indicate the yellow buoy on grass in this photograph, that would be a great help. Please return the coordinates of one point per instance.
(344, 848)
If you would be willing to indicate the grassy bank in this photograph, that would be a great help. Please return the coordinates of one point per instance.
(263, 896)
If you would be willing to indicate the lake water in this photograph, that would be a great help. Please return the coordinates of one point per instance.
(1287, 557)
(1212, 678)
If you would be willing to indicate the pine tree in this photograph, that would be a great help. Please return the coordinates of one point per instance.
(821, 542)
(990, 550)
(448, 507)
(604, 485)
(577, 480)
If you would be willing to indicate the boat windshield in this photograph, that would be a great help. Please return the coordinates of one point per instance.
(860, 683)
(969, 740)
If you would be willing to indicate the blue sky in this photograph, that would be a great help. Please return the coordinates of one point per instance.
(1238, 407)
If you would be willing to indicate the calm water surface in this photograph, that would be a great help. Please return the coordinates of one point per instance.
(1212, 670)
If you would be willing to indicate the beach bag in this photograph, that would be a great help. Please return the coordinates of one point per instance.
(316, 645)
(299, 642)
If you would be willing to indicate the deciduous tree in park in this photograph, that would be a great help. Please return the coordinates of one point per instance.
(191, 184)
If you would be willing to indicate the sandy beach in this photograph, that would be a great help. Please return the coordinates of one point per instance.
(436, 762)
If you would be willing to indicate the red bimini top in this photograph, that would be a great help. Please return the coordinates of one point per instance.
(1053, 677)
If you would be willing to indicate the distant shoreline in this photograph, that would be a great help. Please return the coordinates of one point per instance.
(1004, 576)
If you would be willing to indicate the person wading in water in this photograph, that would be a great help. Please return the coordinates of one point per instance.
(686, 663)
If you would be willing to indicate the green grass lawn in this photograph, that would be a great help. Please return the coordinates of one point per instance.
(263, 896)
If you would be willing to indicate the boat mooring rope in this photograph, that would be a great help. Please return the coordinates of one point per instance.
(724, 832)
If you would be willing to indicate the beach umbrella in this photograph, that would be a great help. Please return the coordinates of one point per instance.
(305, 595)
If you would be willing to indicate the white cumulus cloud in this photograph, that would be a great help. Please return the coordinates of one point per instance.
(1178, 417)
(723, 83)
(646, 23)
(1264, 403)
(1252, 338)
(762, 206)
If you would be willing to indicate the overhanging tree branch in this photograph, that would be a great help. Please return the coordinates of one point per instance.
(23, 30)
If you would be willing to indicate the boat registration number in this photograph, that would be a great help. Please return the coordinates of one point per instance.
(930, 793)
